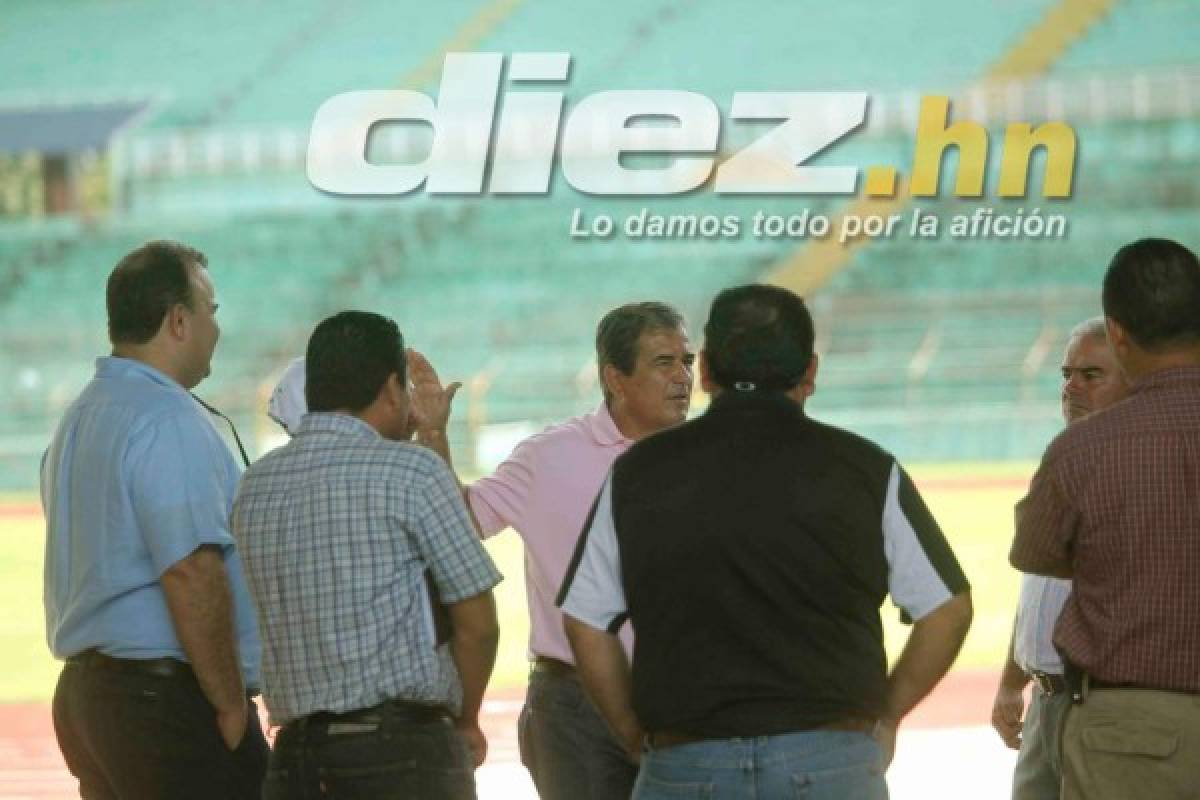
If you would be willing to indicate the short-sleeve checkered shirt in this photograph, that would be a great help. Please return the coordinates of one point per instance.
(337, 531)
(1115, 504)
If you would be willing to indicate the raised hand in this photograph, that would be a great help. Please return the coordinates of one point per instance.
(431, 403)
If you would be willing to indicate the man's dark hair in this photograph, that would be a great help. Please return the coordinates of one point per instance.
(758, 337)
(146, 284)
(618, 333)
(1152, 289)
(349, 357)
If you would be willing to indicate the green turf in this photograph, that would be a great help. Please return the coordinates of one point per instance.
(27, 671)
(979, 525)
(978, 522)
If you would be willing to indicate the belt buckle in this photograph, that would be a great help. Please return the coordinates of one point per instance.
(1044, 683)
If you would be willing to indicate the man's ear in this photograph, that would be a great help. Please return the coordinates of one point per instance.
(176, 321)
(808, 383)
(706, 379)
(1118, 339)
(612, 378)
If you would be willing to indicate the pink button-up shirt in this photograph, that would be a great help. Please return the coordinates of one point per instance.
(544, 491)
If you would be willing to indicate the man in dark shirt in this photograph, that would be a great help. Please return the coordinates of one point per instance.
(1115, 505)
(752, 549)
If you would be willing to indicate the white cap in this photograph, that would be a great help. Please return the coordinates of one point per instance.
(287, 405)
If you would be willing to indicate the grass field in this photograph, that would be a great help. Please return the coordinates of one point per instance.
(973, 503)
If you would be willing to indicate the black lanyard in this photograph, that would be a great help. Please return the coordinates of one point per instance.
(232, 427)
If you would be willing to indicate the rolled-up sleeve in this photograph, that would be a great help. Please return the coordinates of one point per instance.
(180, 501)
(446, 540)
(922, 570)
(499, 501)
(1046, 525)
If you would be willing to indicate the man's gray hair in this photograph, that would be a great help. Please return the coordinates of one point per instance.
(1093, 327)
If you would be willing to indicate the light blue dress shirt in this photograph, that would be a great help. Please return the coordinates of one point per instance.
(1038, 609)
(136, 478)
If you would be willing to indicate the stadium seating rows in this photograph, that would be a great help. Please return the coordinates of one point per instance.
(914, 334)
(250, 63)
(255, 63)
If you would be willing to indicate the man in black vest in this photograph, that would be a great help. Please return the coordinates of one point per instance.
(752, 549)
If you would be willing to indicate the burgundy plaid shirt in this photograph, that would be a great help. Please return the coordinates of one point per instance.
(1115, 505)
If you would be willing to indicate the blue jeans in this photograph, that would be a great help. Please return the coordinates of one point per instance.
(370, 756)
(1038, 774)
(815, 765)
(567, 747)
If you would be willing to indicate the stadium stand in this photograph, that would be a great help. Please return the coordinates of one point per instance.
(943, 349)
(1143, 34)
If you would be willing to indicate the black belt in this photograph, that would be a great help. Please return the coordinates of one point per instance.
(1049, 683)
(154, 667)
(402, 710)
(554, 667)
(1097, 683)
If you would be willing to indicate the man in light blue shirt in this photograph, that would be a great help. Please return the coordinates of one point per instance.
(144, 593)
(1092, 381)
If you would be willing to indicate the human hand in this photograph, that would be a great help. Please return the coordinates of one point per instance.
(476, 741)
(232, 723)
(1007, 710)
(632, 739)
(430, 401)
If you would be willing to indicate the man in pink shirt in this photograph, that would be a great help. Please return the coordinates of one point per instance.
(544, 492)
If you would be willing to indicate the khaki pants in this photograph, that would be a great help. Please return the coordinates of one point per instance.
(1132, 743)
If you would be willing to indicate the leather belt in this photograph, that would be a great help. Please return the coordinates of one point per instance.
(554, 667)
(1049, 683)
(1097, 683)
(660, 740)
(154, 667)
(397, 709)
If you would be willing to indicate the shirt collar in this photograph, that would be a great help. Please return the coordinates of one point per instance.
(335, 422)
(118, 366)
(602, 429)
(1175, 376)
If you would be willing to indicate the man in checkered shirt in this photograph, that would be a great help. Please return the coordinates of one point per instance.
(373, 590)
(1115, 506)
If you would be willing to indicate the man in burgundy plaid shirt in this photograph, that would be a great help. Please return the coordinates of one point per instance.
(1115, 506)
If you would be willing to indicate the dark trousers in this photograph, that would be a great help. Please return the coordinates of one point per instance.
(1038, 773)
(132, 736)
(381, 753)
(566, 745)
